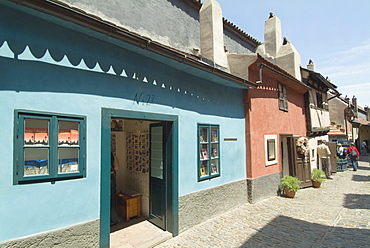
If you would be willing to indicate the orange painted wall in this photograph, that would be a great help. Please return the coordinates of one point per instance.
(263, 117)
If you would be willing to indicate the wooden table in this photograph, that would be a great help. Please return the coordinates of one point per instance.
(128, 206)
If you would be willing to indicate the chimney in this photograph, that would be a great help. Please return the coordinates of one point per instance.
(273, 35)
(354, 103)
(311, 65)
(289, 59)
(367, 110)
(212, 34)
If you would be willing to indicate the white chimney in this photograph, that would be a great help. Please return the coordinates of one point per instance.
(212, 33)
(311, 66)
(355, 106)
(273, 35)
(289, 59)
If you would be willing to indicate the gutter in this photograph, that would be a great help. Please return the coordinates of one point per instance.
(296, 81)
(94, 23)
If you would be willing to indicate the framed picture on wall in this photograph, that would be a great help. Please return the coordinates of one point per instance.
(117, 125)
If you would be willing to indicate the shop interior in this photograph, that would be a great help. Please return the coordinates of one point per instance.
(130, 144)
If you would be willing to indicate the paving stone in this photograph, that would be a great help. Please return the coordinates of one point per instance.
(335, 215)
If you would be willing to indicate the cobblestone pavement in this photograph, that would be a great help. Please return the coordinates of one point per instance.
(335, 215)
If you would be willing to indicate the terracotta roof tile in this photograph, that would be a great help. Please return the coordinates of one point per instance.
(335, 131)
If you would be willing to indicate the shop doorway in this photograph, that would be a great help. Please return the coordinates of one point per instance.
(146, 180)
(293, 163)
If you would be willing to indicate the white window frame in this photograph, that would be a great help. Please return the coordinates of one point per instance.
(267, 139)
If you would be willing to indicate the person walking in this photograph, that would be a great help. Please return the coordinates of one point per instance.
(340, 151)
(324, 155)
(364, 148)
(353, 155)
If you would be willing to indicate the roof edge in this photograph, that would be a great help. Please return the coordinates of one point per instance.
(81, 18)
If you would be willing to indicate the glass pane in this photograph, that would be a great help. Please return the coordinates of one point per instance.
(68, 160)
(204, 151)
(214, 166)
(36, 131)
(204, 168)
(68, 133)
(271, 150)
(203, 134)
(214, 151)
(156, 152)
(35, 161)
(214, 133)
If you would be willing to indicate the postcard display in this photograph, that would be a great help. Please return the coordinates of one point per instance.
(209, 148)
(138, 151)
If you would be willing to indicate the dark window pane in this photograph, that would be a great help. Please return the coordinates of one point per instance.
(68, 133)
(35, 161)
(68, 160)
(36, 131)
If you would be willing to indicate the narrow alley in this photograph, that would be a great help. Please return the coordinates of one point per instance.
(335, 215)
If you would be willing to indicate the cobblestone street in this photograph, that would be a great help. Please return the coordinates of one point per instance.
(335, 215)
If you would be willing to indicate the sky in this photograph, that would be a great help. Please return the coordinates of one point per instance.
(335, 34)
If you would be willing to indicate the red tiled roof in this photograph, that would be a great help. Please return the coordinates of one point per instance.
(335, 131)
(362, 122)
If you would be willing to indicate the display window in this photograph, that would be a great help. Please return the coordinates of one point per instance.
(209, 147)
(48, 147)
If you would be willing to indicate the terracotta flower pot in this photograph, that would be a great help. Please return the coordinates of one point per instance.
(289, 193)
(316, 184)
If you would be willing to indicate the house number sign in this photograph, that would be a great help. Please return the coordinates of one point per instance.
(144, 98)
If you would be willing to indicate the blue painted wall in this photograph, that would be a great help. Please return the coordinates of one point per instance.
(51, 68)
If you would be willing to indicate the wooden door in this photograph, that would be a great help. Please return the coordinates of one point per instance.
(302, 166)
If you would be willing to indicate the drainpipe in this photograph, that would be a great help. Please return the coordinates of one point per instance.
(260, 74)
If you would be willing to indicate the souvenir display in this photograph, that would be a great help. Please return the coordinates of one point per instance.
(138, 151)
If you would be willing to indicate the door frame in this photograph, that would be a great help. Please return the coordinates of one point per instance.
(172, 172)
(287, 144)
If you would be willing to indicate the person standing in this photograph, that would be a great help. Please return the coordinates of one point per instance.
(364, 148)
(324, 155)
(353, 155)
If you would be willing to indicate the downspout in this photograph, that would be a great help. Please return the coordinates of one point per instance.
(260, 73)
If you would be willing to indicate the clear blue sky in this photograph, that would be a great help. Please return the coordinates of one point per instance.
(335, 34)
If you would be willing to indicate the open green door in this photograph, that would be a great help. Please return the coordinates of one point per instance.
(157, 181)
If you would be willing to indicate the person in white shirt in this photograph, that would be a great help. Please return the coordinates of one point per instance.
(324, 155)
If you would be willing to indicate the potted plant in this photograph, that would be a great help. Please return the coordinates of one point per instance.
(317, 177)
(291, 185)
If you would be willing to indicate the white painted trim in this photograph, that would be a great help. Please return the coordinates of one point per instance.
(266, 138)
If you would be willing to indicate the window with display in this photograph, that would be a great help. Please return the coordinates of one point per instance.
(209, 151)
(48, 147)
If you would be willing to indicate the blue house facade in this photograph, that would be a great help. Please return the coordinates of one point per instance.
(75, 89)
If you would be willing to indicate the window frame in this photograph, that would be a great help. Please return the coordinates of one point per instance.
(319, 100)
(52, 146)
(209, 143)
(267, 140)
(283, 100)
